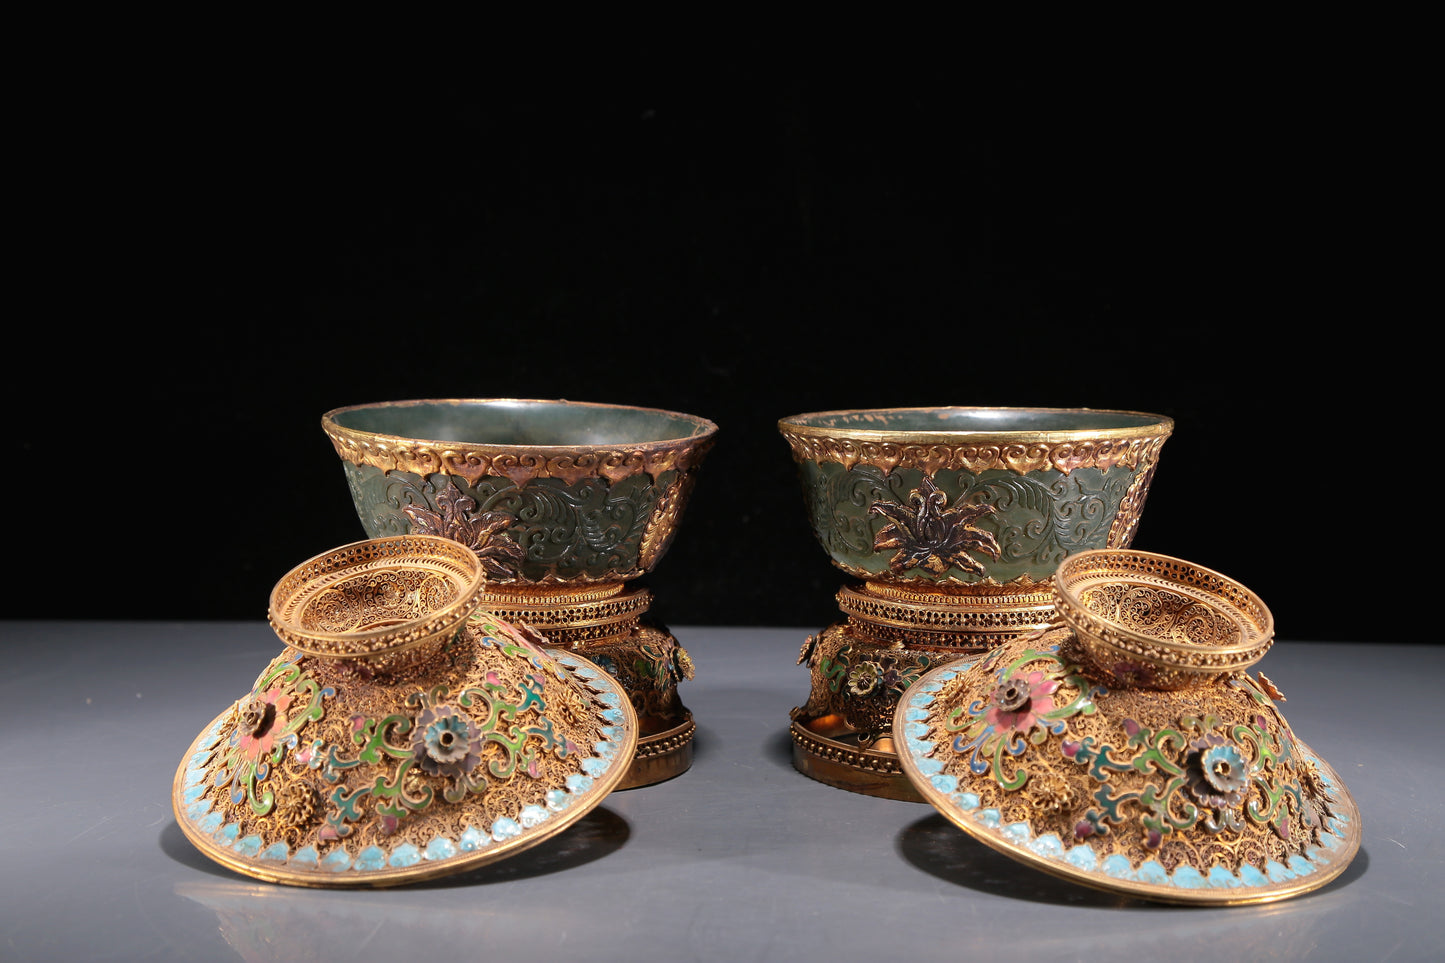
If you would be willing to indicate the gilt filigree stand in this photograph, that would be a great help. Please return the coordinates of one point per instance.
(860, 668)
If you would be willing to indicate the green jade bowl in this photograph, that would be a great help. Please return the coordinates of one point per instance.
(964, 500)
(545, 492)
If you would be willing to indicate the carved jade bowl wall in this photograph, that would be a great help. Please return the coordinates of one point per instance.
(962, 499)
(543, 491)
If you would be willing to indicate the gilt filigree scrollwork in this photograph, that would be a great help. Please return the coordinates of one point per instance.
(1200, 796)
(495, 743)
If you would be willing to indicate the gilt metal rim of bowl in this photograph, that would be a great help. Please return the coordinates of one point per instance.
(1227, 597)
(305, 582)
(704, 428)
(1154, 426)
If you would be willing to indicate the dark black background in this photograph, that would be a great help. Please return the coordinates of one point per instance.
(222, 256)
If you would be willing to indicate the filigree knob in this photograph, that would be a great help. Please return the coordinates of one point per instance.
(1151, 621)
(381, 604)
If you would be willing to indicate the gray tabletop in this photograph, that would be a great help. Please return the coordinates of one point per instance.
(740, 858)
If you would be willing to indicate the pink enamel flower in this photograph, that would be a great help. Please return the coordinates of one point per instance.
(261, 719)
(1019, 700)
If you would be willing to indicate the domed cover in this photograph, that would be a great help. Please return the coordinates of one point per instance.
(331, 773)
(1128, 749)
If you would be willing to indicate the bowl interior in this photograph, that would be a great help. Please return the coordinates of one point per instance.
(973, 421)
(521, 423)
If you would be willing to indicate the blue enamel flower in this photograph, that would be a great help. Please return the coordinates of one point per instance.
(443, 742)
(1218, 774)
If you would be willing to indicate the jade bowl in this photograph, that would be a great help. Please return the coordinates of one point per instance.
(965, 500)
(545, 492)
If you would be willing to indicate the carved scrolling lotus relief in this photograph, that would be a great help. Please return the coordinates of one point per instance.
(933, 536)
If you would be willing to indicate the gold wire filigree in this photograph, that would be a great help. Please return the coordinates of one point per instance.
(1151, 620)
(401, 734)
(1202, 794)
(375, 601)
(346, 780)
(1126, 747)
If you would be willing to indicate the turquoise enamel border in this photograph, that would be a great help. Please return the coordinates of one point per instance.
(608, 752)
(1081, 860)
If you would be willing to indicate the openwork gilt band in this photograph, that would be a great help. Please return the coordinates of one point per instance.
(942, 620)
(572, 618)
